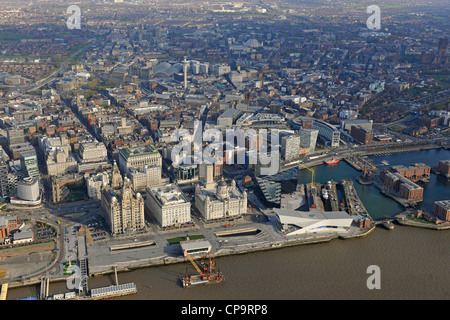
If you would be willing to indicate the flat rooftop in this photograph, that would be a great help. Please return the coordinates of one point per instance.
(445, 204)
(138, 151)
(167, 195)
(230, 113)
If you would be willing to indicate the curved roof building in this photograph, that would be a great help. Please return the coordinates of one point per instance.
(28, 189)
(301, 222)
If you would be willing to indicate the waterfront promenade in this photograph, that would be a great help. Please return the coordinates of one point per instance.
(267, 237)
(103, 260)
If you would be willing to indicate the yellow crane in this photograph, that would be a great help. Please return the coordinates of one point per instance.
(4, 291)
(312, 175)
(195, 264)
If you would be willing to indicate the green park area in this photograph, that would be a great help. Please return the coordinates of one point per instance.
(68, 267)
(77, 193)
(177, 240)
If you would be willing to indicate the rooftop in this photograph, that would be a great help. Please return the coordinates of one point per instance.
(167, 195)
(445, 204)
(138, 151)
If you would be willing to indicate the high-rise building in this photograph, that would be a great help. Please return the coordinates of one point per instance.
(92, 152)
(15, 136)
(95, 185)
(206, 174)
(116, 177)
(308, 139)
(290, 147)
(4, 181)
(28, 189)
(150, 177)
(123, 209)
(143, 165)
(185, 69)
(361, 134)
(29, 164)
(58, 156)
(327, 132)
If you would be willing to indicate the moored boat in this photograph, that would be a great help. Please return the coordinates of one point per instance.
(388, 225)
(333, 161)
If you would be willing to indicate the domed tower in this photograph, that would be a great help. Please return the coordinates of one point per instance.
(222, 190)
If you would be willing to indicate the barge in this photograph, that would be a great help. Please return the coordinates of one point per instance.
(207, 274)
(195, 280)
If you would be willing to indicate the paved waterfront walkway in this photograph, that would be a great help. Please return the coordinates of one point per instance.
(102, 260)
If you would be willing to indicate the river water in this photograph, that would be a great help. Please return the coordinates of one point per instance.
(414, 263)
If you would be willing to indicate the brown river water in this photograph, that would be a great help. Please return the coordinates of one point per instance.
(414, 264)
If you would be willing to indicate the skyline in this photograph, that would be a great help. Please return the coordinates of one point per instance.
(136, 133)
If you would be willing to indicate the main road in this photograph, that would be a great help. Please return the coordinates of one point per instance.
(343, 152)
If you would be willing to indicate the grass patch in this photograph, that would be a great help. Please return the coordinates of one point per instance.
(11, 36)
(77, 193)
(442, 80)
(66, 263)
(177, 240)
(67, 271)
(422, 220)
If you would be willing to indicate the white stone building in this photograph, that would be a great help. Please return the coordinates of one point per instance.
(95, 185)
(223, 201)
(150, 177)
(92, 152)
(168, 205)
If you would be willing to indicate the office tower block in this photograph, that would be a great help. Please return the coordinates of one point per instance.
(29, 164)
(308, 138)
(290, 147)
(3, 177)
(15, 136)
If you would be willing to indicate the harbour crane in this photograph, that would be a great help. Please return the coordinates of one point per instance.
(200, 272)
(312, 175)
